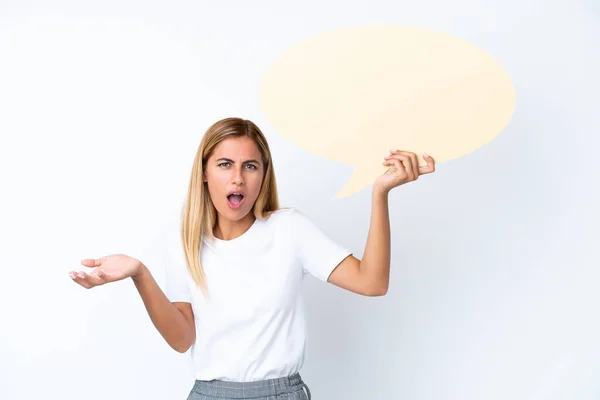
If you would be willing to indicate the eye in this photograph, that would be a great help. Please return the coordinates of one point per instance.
(251, 165)
(223, 163)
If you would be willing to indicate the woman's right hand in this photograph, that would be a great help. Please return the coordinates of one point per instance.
(107, 269)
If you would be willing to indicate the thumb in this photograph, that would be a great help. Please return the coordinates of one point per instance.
(93, 262)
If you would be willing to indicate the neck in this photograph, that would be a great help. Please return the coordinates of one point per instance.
(228, 230)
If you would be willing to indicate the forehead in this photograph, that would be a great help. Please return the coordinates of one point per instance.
(243, 147)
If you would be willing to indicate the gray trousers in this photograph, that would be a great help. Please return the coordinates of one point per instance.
(286, 388)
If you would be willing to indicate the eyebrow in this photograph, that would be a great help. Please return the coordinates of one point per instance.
(233, 162)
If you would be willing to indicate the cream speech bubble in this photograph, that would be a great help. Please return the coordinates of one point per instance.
(352, 94)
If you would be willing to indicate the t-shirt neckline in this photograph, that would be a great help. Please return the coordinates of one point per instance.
(241, 237)
(242, 240)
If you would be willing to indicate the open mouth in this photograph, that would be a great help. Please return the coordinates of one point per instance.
(235, 200)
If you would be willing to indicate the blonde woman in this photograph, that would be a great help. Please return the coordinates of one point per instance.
(233, 288)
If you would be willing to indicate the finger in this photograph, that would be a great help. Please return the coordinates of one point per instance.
(99, 274)
(95, 279)
(80, 279)
(430, 167)
(400, 167)
(87, 280)
(414, 163)
(405, 161)
(93, 262)
(409, 168)
(413, 160)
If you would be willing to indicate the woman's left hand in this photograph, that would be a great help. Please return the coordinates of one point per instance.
(404, 168)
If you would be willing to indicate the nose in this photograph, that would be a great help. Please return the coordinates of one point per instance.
(238, 179)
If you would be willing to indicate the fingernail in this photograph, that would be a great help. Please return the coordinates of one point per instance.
(81, 275)
(72, 276)
(425, 155)
(393, 150)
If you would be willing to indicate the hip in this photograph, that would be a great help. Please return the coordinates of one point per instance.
(289, 387)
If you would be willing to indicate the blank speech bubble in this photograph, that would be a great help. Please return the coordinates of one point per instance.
(352, 94)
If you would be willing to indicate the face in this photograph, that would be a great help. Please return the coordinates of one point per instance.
(235, 166)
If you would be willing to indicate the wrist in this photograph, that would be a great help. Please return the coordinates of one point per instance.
(140, 272)
(380, 191)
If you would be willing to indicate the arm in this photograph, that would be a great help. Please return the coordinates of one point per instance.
(174, 321)
(375, 265)
(371, 276)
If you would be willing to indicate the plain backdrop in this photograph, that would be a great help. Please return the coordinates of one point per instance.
(494, 276)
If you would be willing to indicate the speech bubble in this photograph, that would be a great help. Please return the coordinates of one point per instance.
(351, 94)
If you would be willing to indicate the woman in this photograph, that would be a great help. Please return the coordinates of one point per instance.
(233, 290)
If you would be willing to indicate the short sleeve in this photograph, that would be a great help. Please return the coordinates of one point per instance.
(177, 282)
(318, 253)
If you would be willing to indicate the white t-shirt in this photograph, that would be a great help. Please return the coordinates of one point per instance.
(251, 326)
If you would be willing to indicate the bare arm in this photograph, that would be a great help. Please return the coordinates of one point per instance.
(174, 321)
(375, 264)
(371, 275)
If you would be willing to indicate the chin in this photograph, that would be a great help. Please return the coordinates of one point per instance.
(235, 215)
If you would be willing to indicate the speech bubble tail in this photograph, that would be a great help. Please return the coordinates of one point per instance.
(358, 181)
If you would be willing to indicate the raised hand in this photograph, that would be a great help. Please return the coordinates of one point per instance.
(107, 269)
(404, 168)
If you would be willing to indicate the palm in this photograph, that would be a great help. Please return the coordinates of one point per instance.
(107, 269)
(392, 177)
(116, 266)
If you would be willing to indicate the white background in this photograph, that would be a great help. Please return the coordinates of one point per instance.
(494, 280)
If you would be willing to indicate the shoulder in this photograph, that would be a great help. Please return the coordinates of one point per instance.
(295, 220)
(288, 218)
(282, 214)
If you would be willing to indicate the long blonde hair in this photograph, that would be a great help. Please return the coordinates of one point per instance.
(199, 215)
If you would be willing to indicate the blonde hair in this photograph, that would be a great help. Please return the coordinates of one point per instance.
(199, 215)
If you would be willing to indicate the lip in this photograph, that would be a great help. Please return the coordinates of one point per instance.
(235, 207)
